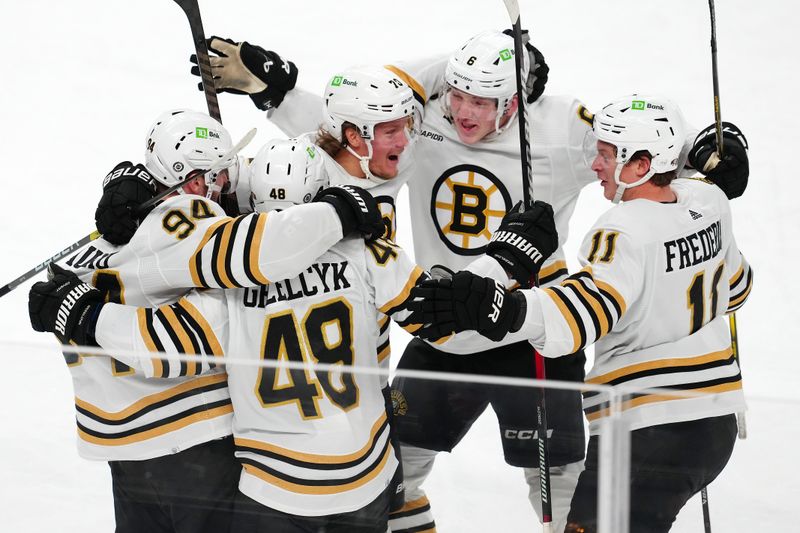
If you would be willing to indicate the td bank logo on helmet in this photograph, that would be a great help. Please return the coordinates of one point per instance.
(338, 81)
(205, 133)
(505, 54)
(640, 105)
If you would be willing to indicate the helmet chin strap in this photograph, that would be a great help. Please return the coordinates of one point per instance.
(622, 187)
(363, 162)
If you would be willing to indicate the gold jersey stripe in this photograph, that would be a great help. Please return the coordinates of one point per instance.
(223, 253)
(208, 332)
(161, 430)
(741, 298)
(183, 337)
(653, 398)
(144, 331)
(410, 81)
(662, 364)
(193, 260)
(568, 317)
(596, 306)
(443, 339)
(386, 352)
(317, 489)
(255, 249)
(403, 296)
(382, 321)
(412, 328)
(153, 398)
(737, 276)
(313, 457)
(549, 270)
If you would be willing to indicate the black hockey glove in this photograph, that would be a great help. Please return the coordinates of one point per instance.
(66, 306)
(357, 210)
(524, 240)
(537, 75)
(729, 173)
(124, 189)
(463, 302)
(243, 68)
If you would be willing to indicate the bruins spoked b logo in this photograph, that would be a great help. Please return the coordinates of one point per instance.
(467, 204)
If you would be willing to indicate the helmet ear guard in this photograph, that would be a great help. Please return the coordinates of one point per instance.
(641, 123)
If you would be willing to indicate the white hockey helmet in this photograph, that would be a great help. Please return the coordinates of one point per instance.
(181, 141)
(641, 123)
(286, 172)
(365, 97)
(484, 66)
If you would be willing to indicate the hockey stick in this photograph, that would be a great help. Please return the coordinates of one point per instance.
(222, 162)
(512, 6)
(5, 289)
(192, 11)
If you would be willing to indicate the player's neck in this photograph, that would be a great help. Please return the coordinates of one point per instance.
(350, 164)
(649, 191)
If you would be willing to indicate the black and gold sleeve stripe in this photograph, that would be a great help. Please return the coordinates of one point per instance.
(552, 272)
(228, 254)
(589, 306)
(178, 328)
(740, 285)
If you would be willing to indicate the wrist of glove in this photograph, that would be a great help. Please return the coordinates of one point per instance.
(465, 302)
(524, 241)
(66, 306)
(125, 188)
(243, 68)
(357, 210)
(538, 72)
(730, 172)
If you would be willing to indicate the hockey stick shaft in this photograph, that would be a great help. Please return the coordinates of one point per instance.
(512, 6)
(223, 162)
(715, 77)
(741, 422)
(706, 510)
(5, 289)
(192, 10)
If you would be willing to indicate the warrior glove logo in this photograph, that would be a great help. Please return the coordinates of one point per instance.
(361, 204)
(497, 301)
(67, 304)
(520, 243)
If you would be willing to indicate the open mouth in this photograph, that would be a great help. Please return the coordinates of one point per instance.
(467, 126)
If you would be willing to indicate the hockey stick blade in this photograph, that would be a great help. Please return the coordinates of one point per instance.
(223, 162)
(512, 6)
(5, 289)
(192, 10)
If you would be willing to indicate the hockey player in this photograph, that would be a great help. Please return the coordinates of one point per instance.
(167, 440)
(464, 181)
(313, 443)
(660, 272)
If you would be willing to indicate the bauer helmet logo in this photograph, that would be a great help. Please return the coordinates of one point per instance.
(637, 105)
(505, 54)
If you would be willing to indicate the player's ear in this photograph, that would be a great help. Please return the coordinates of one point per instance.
(642, 166)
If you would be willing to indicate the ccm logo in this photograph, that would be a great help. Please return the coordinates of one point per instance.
(525, 434)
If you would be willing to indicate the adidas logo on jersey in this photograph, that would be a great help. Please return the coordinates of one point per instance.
(695, 215)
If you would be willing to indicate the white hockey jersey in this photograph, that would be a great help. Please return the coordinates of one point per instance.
(312, 442)
(187, 241)
(657, 281)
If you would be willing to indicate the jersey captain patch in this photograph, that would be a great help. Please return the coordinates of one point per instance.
(467, 205)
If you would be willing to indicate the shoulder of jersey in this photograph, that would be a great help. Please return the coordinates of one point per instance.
(184, 201)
